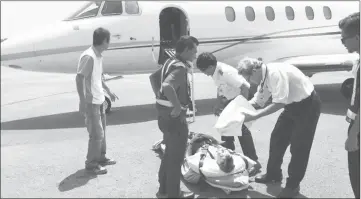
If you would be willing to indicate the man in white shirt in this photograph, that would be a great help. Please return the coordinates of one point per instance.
(292, 90)
(350, 27)
(90, 86)
(229, 85)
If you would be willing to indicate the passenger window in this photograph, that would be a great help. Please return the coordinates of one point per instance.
(327, 12)
(309, 13)
(270, 13)
(290, 13)
(112, 8)
(131, 7)
(250, 14)
(230, 14)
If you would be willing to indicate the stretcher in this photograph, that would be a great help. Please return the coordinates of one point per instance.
(209, 171)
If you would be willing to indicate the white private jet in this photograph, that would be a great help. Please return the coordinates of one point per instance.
(304, 33)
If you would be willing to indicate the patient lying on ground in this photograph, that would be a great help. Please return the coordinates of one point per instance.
(207, 160)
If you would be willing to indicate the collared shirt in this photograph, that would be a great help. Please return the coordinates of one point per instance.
(285, 83)
(228, 81)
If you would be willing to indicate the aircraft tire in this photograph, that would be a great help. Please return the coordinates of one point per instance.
(108, 105)
(346, 88)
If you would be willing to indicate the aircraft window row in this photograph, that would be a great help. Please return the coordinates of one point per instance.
(270, 13)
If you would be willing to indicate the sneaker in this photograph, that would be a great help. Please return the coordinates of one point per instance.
(107, 161)
(98, 170)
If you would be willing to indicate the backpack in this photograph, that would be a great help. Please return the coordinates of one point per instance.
(156, 79)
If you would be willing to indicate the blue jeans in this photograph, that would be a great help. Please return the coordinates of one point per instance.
(95, 121)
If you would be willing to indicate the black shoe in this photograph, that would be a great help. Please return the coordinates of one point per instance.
(289, 192)
(266, 179)
(228, 145)
(161, 195)
(185, 194)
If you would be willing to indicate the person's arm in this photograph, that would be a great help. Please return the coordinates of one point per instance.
(112, 96)
(105, 87)
(355, 128)
(279, 89)
(171, 84)
(85, 70)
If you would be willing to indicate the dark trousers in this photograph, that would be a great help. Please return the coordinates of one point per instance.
(245, 140)
(175, 134)
(354, 169)
(295, 126)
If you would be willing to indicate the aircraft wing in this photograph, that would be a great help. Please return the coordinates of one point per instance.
(322, 63)
(108, 77)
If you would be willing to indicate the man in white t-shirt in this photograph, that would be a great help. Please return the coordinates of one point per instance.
(229, 85)
(90, 86)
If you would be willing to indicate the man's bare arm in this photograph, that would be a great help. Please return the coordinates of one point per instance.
(80, 86)
(106, 88)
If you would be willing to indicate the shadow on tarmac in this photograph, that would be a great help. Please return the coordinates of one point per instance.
(332, 103)
(75, 180)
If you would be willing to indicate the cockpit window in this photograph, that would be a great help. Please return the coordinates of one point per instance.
(90, 9)
(131, 7)
(112, 8)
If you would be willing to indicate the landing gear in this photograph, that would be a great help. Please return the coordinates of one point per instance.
(107, 105)
(346, 88)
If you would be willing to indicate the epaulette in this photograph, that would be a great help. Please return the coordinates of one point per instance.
(220, 72)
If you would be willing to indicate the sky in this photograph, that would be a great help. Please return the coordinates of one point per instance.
(20, 16)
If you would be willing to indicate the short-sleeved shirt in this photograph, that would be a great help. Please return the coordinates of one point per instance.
(228, 81)
(285, 83)
(90, 65)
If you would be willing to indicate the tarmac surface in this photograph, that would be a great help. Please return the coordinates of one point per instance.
(44, 141)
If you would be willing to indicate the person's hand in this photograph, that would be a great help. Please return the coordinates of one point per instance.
(82, 107)
(113, 96)
(351, 144)
(176, 111)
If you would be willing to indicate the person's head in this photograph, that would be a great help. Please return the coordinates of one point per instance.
(350, 32)
(224, 160)
(250, 69)
(186, 48)
(101, 39)
(207, 63)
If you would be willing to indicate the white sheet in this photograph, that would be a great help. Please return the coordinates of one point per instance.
(230, 121)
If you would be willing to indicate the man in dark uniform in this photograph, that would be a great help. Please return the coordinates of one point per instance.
(172, 103)
(350, 27)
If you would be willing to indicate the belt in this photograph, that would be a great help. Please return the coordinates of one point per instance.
(168, 104)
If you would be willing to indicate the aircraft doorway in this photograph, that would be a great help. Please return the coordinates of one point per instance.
(173, 24)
